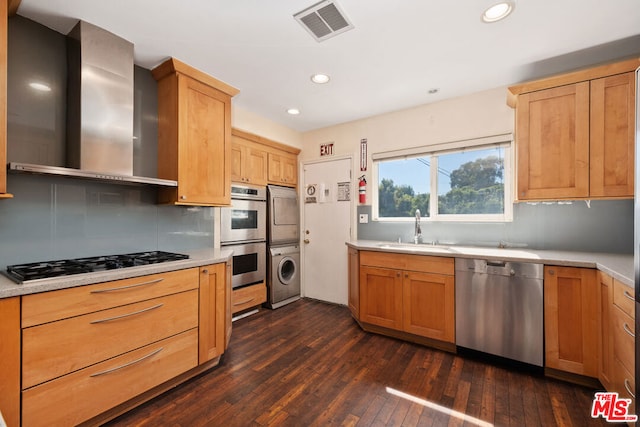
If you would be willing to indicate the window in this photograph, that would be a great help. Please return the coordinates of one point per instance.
(470, 184)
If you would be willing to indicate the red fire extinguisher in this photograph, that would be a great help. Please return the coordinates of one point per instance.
(362, 189)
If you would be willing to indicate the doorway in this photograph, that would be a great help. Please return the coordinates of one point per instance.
(327, 199)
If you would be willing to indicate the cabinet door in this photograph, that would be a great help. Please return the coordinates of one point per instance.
(283, 169)
(381, 297)
(429, 305)
(248, 163)
(255, 171)
(354, 288)
(571, 319)
(289, 170)
(611, 136)
(204, 172)
(552, 129)
(213, 312)
(10, 356)
(605, 346)
(236, 162)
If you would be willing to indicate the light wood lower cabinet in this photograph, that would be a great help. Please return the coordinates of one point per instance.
(248, 297)
(10, 357)
(354, 282)
(624, 342)
(571, 320)
(97, 350)
(605, 346)
(408, 293)
(83, 394)
(213, 295)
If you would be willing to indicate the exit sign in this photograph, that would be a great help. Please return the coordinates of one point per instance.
(326, 149)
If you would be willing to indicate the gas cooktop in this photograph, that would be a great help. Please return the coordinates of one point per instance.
(44, 270)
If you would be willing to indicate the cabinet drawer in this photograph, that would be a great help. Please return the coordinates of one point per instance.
(248, 297)
(424, 263)
(51, 306)
(624, 383)
(623, 339)
(79, 396)
(58, 348)
(624, 298)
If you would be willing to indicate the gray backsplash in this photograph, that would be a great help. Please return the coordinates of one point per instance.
(601, 226)
(58, 218)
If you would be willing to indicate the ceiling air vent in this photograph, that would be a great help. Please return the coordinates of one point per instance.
(324, 20)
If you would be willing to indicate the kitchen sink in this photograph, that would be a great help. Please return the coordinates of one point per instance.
(421, 247)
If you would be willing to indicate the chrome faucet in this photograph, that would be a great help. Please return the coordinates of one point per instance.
(417, 237)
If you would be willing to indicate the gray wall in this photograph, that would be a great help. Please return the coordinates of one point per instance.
(604, 226)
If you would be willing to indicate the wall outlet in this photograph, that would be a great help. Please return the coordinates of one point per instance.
(364, 218)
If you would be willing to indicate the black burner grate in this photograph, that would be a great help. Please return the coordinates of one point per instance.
(48, 269)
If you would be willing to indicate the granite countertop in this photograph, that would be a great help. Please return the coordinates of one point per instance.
(619, 266)
(197, 258)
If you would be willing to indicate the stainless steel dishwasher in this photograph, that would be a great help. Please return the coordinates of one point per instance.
(499, 308)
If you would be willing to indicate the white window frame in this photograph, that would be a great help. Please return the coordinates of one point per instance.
(505, 141)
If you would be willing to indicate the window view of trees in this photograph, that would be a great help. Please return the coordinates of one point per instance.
(476, 188)
(470, 183)
(400, 200)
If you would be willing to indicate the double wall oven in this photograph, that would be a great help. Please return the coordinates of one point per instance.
(243, 230)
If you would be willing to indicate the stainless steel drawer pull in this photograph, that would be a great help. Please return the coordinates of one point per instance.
(628, 330)
(244, 302)
(121, 288)
(144, 310)
(133, 362)
(627, 385)
(628, 295)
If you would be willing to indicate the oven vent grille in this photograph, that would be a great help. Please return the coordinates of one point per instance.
(324, 20)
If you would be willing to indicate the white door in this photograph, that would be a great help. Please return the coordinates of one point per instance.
(327, 200)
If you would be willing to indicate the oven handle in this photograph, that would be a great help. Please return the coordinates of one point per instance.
(150, 282)
(144, 310)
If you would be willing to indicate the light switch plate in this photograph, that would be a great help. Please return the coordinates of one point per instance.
(364, 218)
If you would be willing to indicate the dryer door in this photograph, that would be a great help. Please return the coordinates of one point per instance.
(287, 270)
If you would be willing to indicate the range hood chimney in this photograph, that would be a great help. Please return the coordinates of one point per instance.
(99, 109)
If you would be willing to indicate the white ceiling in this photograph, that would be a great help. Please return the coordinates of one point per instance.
(398, 50)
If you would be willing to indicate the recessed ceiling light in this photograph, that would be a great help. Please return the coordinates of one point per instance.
(320, 78)
(40, 86)
(498, 11)
(293, 111)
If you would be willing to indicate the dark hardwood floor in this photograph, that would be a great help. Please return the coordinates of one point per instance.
(308, 363)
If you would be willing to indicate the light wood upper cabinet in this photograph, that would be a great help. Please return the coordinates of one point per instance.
(571, 316)
(260, 161)
(611, 136)
(248, 161)
(194, 135)
(574, 134)
(552, 128)
(283, 169)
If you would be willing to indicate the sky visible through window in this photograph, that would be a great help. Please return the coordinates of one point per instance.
(415, 172)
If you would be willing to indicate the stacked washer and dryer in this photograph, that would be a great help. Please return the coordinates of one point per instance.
(283, 238)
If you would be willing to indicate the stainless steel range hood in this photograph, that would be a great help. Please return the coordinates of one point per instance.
(100, 101)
